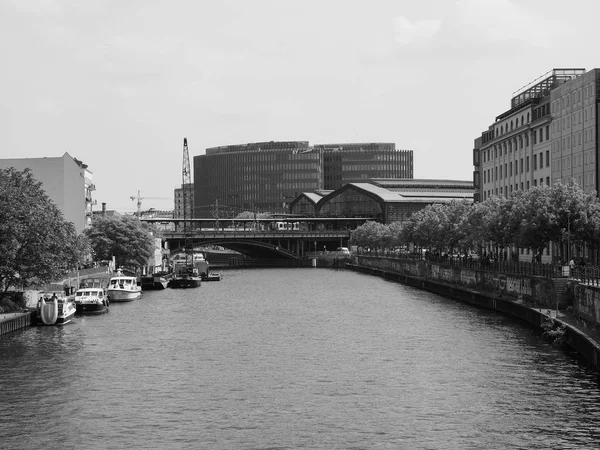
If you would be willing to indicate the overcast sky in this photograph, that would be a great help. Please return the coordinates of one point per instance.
(118, 84)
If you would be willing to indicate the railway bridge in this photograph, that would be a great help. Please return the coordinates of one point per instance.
(287, 239)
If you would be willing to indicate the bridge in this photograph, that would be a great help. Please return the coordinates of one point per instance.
(290, 239)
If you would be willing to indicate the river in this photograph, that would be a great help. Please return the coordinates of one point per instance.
(293, 359)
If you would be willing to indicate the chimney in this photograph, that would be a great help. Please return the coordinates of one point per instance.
(103, 208)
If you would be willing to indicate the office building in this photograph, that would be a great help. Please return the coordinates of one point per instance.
(268, 176)
(180, 211)
(549, 135)
(356, 163)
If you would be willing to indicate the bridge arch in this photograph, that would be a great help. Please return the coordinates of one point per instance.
(250, 248)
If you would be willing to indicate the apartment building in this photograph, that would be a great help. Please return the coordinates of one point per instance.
(67, 182)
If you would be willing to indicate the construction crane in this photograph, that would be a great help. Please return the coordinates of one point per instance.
(186, 179)
(139, 201)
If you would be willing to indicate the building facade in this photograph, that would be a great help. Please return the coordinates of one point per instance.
(549, 135)
(515, 153)
(179, 209)
(574, 131)
(383, 200)
(268, 176)
(356, 163)
(67, 182)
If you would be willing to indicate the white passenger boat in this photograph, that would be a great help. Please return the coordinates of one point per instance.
(91, 301)
(123, 288)
(55, 310)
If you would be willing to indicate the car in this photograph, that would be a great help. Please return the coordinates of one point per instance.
(343, 250)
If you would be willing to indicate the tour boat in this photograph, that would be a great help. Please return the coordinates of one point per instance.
(91, 301)
(123, 288)
(55, 310)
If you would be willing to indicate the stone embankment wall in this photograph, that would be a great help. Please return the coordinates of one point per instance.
(586, 302)
(537, 291)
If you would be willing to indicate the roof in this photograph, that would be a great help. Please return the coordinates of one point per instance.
(390, 183)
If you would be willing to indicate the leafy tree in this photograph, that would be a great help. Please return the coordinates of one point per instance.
(126, 238)
(37, 245)
(249, 215)
(369, 234)
(454, 227)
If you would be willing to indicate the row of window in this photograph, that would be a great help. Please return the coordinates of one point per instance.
(573, 161)
(505, 190)
(517, 143)
(566, 142)
(573, 98)
(520, 166)
(573, 119)
(513, 124)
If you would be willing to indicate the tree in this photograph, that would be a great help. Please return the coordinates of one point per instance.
(37, 245)
(126, 238)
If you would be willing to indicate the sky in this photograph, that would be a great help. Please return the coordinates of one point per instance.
(119, 84)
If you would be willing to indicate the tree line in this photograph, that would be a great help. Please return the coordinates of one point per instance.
(562, 214)
(38, 246)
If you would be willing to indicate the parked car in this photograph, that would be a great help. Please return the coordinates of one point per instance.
(343, 250)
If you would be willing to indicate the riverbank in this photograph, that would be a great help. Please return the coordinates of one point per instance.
(565, 328)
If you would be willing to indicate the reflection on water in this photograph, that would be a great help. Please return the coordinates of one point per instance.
(293, 358)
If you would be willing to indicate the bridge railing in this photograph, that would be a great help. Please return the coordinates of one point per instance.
(254, 234)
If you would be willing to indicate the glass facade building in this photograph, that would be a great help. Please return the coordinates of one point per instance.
(268, 176)
(355, 163)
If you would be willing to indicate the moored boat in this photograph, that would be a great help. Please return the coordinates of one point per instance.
(123, 288)
(91, 301)
(55, 310)
(213, 276)
(187, 277)
(159, 280)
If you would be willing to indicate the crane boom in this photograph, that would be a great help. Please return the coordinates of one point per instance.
(139, 201)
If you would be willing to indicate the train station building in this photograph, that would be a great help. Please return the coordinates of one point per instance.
(383, 200)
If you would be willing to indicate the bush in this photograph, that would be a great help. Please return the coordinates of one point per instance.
(554, 331)
(13, 302)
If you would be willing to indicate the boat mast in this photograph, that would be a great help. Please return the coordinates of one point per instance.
(187, 200)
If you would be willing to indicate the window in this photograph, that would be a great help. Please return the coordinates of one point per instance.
(547, 132)
(547, 158)
(534, 134)
(527, 166)
(534, 162)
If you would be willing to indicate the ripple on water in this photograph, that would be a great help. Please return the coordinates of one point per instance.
(293, 358)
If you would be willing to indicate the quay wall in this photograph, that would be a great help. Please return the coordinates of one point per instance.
(539, 291)
(586, 302)
(525, 298)
(16, 321)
